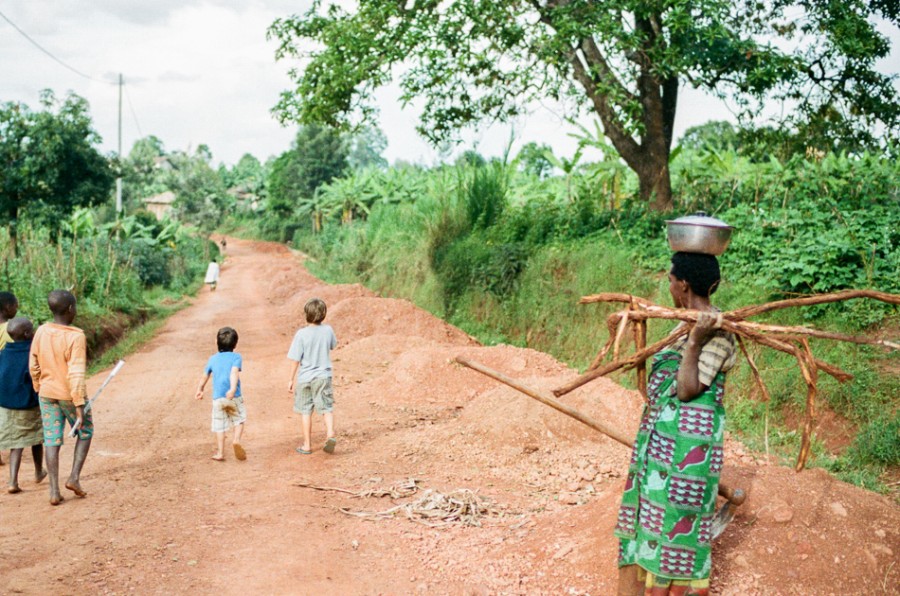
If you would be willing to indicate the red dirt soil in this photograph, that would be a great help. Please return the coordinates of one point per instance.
(161, 517)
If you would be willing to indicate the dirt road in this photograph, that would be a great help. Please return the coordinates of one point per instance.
(161, 517)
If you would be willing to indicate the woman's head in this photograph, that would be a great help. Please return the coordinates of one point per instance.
(696, 272)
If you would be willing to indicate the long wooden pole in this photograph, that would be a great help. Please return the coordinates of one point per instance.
(734, 496)
(548, 400)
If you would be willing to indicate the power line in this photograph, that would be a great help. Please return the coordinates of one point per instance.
(133, 114)
(38, 46)
(75, 70)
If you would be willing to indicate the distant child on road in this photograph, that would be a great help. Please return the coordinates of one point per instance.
(20, 412)
(57, 365)
(212, 275)
(228, 406)
(311, 354)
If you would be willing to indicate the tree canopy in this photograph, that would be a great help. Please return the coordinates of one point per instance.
(317, 156)
(626, 61)
(48, 161)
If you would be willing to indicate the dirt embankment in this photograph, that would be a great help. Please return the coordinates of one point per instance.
(162, 517)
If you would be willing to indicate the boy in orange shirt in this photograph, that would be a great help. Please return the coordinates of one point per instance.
(57, 365)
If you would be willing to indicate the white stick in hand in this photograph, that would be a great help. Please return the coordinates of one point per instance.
(87, 406)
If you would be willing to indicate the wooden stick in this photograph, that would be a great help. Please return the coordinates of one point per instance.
(640, 342)
(811, 377)
(752, 311)
(756, 375)
(612, 322)
(731, 495)
(548, 400)
(626, 364)
(613, 297)
(623, 325)
(690, 316)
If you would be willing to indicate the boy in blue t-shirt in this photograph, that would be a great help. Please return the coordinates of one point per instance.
(311, 355)
(228, 405)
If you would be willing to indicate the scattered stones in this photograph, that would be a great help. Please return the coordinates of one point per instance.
(782, 513)
(838, 509)
(563, 551)
(567, 498)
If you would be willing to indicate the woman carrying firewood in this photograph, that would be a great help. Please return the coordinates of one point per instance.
(669, 500)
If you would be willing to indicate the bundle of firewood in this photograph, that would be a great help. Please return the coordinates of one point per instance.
(793, 340)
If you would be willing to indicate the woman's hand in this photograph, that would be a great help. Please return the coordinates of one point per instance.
(706, 325)
(688, 375)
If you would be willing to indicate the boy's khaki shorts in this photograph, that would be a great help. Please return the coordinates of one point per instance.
(222, 420)
(317, 393)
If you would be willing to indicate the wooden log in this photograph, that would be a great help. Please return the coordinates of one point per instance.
(808, 365)
(548, 400)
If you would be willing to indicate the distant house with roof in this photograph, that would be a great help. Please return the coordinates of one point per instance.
(160, 205)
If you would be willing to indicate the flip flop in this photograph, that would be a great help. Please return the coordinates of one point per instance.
(303, 451)
(329, 445)
(239, 452)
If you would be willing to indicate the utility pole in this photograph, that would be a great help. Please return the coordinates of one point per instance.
(119, 179)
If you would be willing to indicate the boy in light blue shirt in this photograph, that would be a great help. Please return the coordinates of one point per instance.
(310, 381)
(228, 405)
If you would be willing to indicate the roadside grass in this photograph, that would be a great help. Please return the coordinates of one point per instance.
(163, 304)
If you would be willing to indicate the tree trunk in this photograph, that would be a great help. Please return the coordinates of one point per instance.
(13, 229)
(655, 184)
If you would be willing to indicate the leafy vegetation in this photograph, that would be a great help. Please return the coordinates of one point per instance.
(505, 254)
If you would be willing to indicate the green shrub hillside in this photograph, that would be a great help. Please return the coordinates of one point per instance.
(505, 255)
(122, 273)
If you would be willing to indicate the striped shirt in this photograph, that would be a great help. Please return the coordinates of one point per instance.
(718, 353)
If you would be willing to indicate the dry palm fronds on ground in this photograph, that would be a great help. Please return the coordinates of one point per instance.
(433, 509)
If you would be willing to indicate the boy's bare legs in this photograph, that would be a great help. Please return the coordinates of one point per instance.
(37, 454)
(220, 445)
(329, 424)
(236, 442)
(306, 425)
(52, 456)
(82, 446)
(15, 458)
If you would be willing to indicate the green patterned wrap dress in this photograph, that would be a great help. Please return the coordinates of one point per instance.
(669, 501)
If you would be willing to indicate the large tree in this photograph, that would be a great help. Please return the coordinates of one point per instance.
(624, 59)
(318, 155)
(48, 161)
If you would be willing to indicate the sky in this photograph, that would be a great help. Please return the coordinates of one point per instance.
(202, 72)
